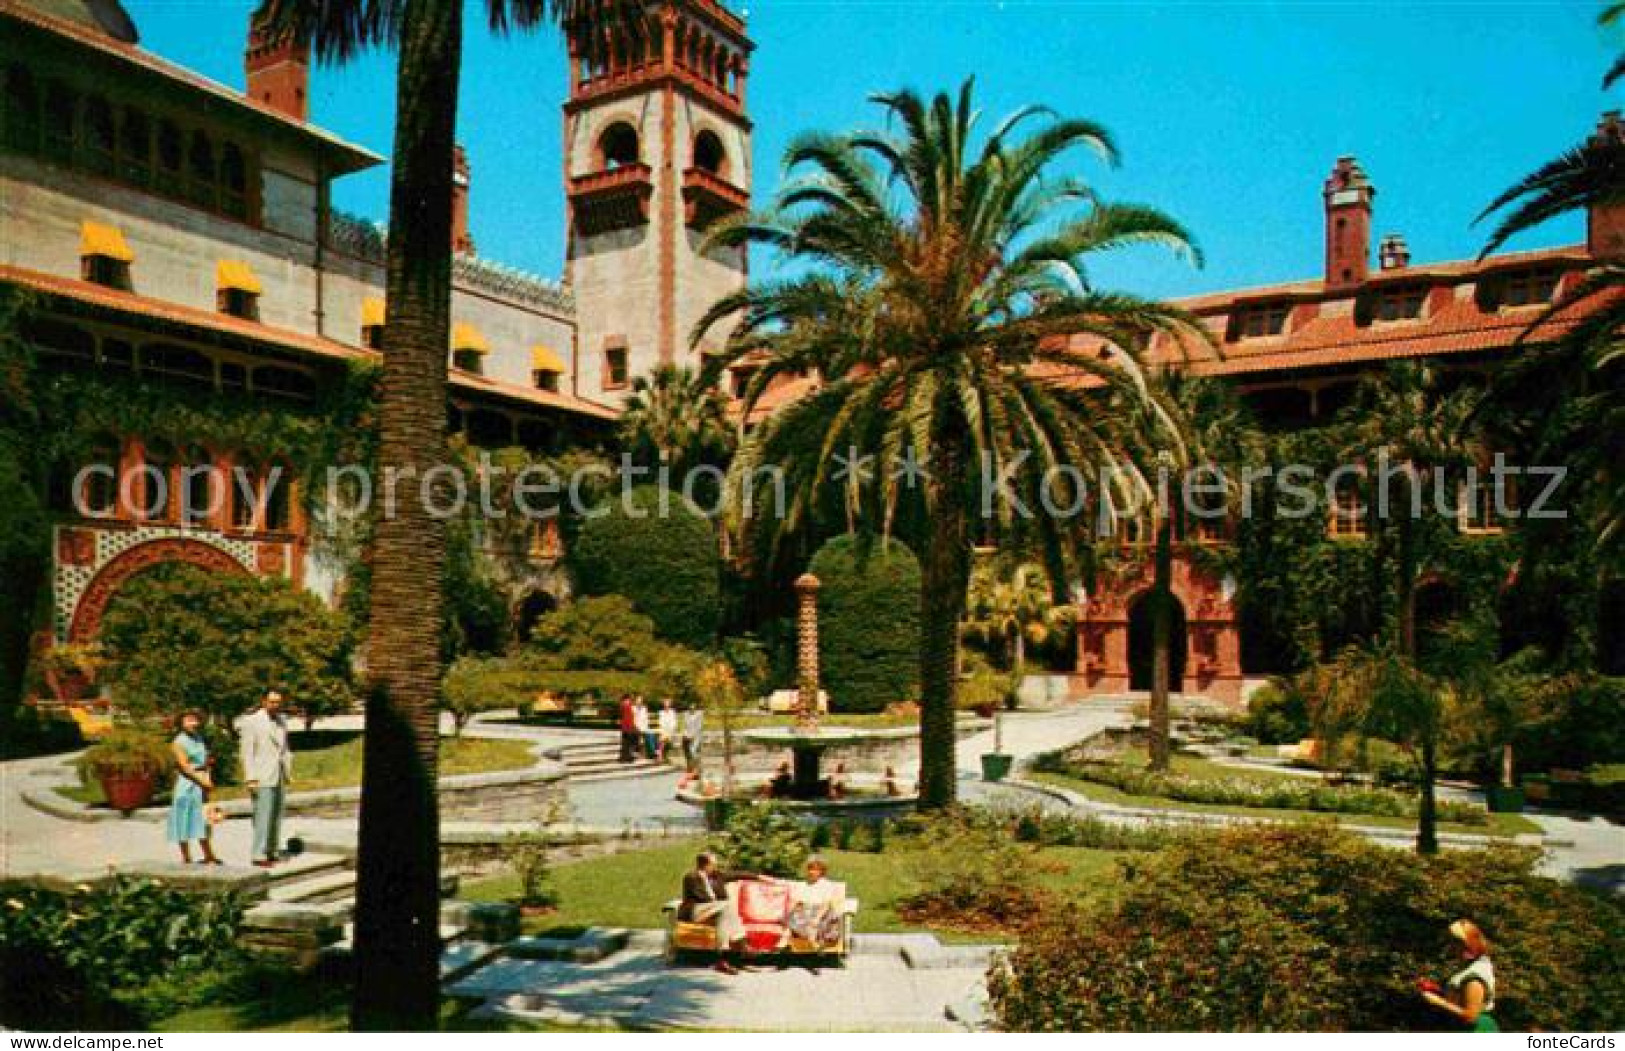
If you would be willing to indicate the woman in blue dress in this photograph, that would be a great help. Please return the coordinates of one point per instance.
(187, 821)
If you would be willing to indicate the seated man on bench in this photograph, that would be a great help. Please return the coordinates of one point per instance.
(706, 900)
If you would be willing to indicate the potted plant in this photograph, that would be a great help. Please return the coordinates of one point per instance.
(127, 763)
(70, 670)
(996, 764)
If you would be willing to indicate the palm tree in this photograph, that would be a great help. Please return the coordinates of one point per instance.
(398, 860)
(1403, 419)
(1570, 397)
(1200, 431)
(934, 285)
(677, 417)
(1010, 611)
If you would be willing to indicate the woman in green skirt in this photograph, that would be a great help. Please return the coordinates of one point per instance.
(1469, 996)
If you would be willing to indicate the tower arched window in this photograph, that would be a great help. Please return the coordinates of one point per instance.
(22, 110)
(197, 487)
(709, 154)
(159, 500)
(618, 146)
(98, 484)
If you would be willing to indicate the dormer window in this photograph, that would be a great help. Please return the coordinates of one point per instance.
(545, 368)
(104, 258)
(237, 290)
(1529, 288)
(1262, 320)
(372, 323)
(1399, 304)
(468, 348)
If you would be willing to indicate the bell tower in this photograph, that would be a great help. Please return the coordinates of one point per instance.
(656, 147)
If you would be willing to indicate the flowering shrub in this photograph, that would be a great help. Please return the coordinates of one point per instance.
(1245, 792)
(1312, 929)
(85, 957)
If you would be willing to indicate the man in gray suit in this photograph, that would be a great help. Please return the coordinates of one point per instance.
(267, 771)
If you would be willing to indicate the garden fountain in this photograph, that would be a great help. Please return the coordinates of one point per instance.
(808, 740)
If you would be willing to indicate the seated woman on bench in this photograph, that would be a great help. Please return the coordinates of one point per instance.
(815, 917)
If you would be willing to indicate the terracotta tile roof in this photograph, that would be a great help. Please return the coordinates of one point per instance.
(780, 392)
(353, 157)
(131, 305)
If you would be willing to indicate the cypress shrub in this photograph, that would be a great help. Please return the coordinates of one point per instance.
(664, 559)
(868, 623)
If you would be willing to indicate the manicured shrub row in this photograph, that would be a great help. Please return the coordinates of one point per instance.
(119, 956)
(660, 553)
(1239, 792)
(868, 623)
(1311, 929)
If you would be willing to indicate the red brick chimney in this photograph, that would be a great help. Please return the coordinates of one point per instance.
(1605, 222)
(1348, 195)
(278, 71)
(1393, 253)
(461, 239)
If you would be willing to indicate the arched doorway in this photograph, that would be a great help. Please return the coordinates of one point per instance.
(1141, 638)
(532, 607)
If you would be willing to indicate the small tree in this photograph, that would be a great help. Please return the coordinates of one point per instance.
(469, 689)
(1379, 694)
(1009, 613)
(179, 637)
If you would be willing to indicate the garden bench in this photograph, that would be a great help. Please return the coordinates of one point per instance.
(683, 936)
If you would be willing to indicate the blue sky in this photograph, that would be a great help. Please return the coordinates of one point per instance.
(1228, 115)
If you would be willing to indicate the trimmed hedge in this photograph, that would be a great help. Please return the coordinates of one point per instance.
(662, 555)
(868, 623)
(1309, 929)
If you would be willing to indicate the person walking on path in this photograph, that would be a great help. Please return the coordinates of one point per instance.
(693, 731)
(267, 771)
(188, 823)
(668, 728)
(629, 729)
(647, 739)
(1469, 996)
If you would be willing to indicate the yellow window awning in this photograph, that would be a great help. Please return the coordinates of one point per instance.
(372, 312)
(466, 337)
(103, 240)
(238, 275)
(545, 359)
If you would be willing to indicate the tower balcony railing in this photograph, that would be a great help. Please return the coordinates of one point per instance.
(612, 199)
(708, 197)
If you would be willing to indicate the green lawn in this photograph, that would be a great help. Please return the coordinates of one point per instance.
(629, 888)
(1499, 824)
(332, 759)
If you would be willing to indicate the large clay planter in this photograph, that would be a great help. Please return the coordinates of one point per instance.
(127, 792)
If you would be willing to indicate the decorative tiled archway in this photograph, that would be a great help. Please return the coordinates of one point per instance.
(92, 600)
(1213, 655)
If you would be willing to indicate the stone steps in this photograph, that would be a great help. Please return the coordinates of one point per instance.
(320, 889)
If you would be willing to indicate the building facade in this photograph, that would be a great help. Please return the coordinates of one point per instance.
(171, 230)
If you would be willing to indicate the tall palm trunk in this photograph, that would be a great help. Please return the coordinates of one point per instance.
(1427, 820)
(1162, 630)
(945, 573)
(397, 927)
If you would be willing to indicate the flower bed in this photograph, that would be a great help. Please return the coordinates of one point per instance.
(1252, 792)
